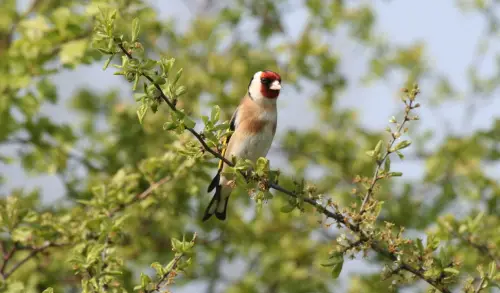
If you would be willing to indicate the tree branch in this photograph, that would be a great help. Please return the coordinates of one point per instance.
(6, 38)
(388, 151)
(173, 106)
(32, 254)
(8, 255)
(376, 246)
(141, 196)
(481, 248)
(479, 287)
(172, 269)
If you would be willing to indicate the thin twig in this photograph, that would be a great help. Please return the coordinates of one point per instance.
(174, 108)
(141, 196)
(479, 287)
(7, 38)
(334, 215)
(104, 265)
(175, 262)
(177, 259)
(380, 163)
(7, 256)
(481, 248)
(32, 254)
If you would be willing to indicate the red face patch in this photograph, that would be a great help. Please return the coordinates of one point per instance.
(266, 79)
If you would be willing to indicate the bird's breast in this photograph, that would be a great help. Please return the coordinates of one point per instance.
(255, 144)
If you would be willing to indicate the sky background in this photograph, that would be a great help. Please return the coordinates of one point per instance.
(451, 38)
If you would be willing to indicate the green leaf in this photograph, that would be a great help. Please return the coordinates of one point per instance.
(138, 287)
(261, 166)
(222, 126)
(22, 234)
(169, 125)
(73, 51)
(288, 208)
(106, 64)
(378, 208)
(166, 64)
(120, 220)
(205, 120)
(420, 245)
(400, 155)
(240, 180)
(48, 290)
(94, 252)
(432, 242)
(473, 224)
(169, 266)
(336, 262)
(187, 245)
(158, 268)
(492, 269)
(177, 76)
(135, 29)
(395, 174)
(387, 164)
(145, 280)
(149, 64)
(178, 115)
(378, 148)
(452, 271)
(98, 191)
(160, 80)
(47, 90)
(180, 91)
(402, 145)
(141, 112)
(486, 283)
(337, 269)
(215, 114)
(176, 244)
(189, 123)
(136, 81)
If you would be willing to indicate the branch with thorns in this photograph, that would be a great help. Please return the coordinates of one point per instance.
(337, 216)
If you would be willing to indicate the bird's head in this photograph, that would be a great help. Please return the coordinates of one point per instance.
(265, 85)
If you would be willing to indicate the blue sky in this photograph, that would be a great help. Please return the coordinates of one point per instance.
(451, 38)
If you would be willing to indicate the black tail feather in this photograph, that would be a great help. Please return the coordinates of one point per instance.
(214, 204)
(222, 216)
(214, 183)
(215, 201)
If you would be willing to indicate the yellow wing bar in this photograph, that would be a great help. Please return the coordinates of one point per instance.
(224, 148)
(232, 127)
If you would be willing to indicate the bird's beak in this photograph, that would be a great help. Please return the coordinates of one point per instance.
(275, 86)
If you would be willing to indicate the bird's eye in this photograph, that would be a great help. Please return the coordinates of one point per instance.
(265, 80)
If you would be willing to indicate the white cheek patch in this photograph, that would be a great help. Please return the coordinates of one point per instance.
(255, 87)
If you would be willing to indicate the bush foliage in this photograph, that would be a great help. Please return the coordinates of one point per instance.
(136, 163)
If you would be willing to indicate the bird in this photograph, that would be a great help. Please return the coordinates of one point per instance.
(253, 125)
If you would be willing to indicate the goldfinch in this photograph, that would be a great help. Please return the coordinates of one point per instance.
(254, 125)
